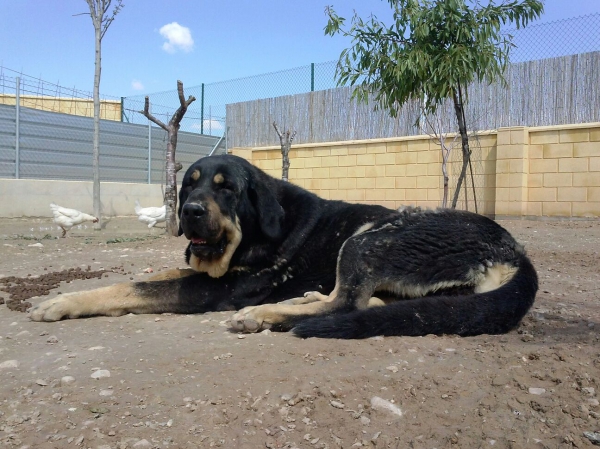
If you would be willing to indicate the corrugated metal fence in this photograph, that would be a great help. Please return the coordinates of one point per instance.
(59, 146)
(551, 91)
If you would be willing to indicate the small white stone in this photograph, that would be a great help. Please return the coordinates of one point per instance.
(537, 391)
(100, 374)
(67, 380)
(106, 392)
(381, 404)
(9, 364)
(591, 391)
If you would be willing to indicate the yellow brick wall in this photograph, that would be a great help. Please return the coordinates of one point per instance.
(564, 174)
(109, 109)
(523, 172)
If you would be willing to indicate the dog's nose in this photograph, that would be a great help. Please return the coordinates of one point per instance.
(193, 210)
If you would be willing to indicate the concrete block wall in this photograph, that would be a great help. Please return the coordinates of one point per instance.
(525, 172)
(549, 171)
(32, 198)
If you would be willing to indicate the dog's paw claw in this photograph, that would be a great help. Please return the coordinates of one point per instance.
(47, 311)
(246, 321)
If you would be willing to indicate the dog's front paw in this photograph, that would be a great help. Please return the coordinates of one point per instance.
(250, 319)
(54, 309)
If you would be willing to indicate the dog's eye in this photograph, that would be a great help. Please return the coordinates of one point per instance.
(226, 186)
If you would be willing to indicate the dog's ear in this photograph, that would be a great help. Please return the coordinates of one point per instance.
(269, 211)
(184, 192)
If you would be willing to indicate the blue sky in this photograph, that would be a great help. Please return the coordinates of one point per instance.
(152, 43)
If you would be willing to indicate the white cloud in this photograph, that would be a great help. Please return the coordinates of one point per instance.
(178, 38)
(137, 85)
(210, 126)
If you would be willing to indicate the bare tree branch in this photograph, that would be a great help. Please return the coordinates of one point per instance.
(171, 166)
(286, 140)
(183, 105)
(149, 116)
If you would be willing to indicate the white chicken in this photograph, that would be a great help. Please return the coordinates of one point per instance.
(67, 218)
(150, 215)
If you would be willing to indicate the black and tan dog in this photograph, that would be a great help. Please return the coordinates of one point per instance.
(258, 245)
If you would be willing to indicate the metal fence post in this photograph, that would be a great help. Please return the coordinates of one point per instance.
(149, 150)
(202, 110)
(312, 76)
(17, 125)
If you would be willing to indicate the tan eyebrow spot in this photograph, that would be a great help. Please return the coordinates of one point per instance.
(196, 175)
(218, 179)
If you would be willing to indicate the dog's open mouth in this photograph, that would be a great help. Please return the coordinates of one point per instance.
(205, 249)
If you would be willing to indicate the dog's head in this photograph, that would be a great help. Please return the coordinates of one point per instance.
(221, 196)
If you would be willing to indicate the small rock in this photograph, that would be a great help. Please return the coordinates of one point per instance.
(36, 245)
(594, 437)
(381, 404)
(590, 391)
(41, 382)
(392, 368)
(99, 374)
(106, 392)
(337, 404)
(52, 339)
(537, 391)
(148, 270)
(142, 443)
(9, 364)
(67, 380)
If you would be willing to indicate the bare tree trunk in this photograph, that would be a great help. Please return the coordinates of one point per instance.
(286, 140)
(434, 128)
(473, 185)
(172, 167)
(466, 152)
(96, 148)
(101, 22)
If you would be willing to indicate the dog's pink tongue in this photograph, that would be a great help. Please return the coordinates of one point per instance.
(197, 241)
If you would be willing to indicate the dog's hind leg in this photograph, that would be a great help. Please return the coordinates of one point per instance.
(354, 289)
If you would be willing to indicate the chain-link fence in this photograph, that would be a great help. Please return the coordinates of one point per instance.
(207, 114)
(38, 94)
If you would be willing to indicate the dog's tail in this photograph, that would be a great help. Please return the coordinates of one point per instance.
(494, 312)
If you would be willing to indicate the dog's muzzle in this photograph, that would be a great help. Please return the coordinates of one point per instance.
(206, 239)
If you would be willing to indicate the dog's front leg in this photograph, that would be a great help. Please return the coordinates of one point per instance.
(176, 291)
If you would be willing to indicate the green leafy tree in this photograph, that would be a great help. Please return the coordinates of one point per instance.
(432, 51)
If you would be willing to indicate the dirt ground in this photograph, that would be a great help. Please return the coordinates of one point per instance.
(172, 381)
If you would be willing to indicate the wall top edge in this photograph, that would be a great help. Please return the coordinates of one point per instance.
(564, 127)
(532, 129)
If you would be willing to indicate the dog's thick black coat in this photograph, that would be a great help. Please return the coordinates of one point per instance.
(257, 240)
